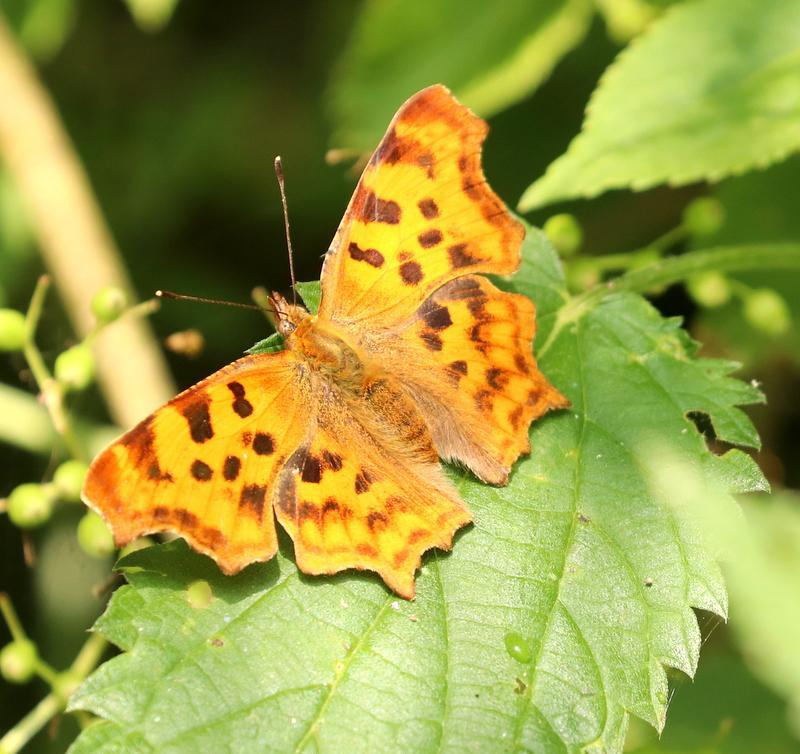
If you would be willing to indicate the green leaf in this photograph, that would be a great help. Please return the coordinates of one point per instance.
(712, 89)
(725, 711)
(549, 623)
(271, 344)
(311, 293)
(491, 55)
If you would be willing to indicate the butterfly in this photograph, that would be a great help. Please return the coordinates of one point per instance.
(413, 356)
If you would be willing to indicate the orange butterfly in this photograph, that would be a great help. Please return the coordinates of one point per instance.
(411, 357)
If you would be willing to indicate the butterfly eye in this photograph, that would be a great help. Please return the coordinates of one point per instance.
(285, 327)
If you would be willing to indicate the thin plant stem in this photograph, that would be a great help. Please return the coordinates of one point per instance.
(10, 617)
(52, 392)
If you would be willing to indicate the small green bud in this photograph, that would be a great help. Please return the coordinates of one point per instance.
(30, 505)
(74, 368)
(94, 536)
(12, 330)
(767, 311)
(565, 233)
(68, 480)
(108, 303)
(199, 594)
(709, 289)
(18, 661)
(582, 274)
(703, 217)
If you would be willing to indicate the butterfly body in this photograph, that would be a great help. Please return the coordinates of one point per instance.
(413, 356)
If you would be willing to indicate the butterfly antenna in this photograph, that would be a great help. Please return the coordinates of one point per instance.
(282, 187)
(201, 300)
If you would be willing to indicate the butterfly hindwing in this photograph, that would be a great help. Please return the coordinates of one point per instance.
(368, 495)
(466, 354)
(204, 465)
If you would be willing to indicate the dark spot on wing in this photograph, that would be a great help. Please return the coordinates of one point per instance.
(231, 468)
(379, 210)
(370, 256)
(363, 481)
(460, 257)
(430, 238)
(521, 363)
(330, 506)
(515, 416)
(263, 444)
(497, 378)
(331, 460)
(436, 317)
(429, 208)
(431, 340)
(312, 470)
(459, 366)
(411, 273)
(199, 420)
(241, 405)
(201, 471)
(252, 497)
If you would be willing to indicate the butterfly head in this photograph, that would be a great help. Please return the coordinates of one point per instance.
(289, 316)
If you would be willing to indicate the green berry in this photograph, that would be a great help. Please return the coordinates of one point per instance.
(12, 330)
(18, 661)
(94, 536)
(30, 505)
(565, 233)
(767, 311)
(108, 303)
(703, 217)
(68, 480)
(74, 368)
(709, 289)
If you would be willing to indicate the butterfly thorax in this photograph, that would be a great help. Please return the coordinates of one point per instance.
(326, 351)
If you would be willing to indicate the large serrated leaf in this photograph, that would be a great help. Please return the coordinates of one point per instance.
(712, 89)
(549, 623)
(490, 54)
